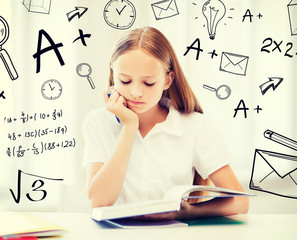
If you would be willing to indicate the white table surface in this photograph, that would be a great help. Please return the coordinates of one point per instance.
(256, 226)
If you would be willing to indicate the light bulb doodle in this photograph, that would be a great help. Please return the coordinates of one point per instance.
(213, 11)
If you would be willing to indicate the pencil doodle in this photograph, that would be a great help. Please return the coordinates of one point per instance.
(40, 51)
(268, 42)
(78, 11)
(119, 14)
(164, 9)
(273, 83)
(234, 63)
(273, 172)
(85, 70)
(37, 6)
(222, 92)
(3, 53)
(278, 138)
(36, 187)
(213, 11)
(82, 37)
(51, 89)
(292, 10)
(248, 14)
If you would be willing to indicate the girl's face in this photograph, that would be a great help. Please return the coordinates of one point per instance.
(140, 79)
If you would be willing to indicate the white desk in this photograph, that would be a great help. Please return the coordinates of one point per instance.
(257, 226)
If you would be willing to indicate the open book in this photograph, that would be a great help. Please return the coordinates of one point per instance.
(170, 202)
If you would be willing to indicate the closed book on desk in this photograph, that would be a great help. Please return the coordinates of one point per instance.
(170, 202)
(24, 225)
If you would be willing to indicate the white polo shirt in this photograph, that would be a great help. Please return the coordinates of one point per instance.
(165, 157)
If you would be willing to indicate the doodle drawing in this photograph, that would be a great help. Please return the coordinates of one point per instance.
(222, 92)
(273, 83)
(119, 14)
(292, 9)
(85, 70)
(234, 63)
(164, 9)
(3, 53)
(274, 172)
(38, 6)
(213, 11)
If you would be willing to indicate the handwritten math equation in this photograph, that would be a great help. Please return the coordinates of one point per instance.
(39, 148)
(37, 192)
(57, 136)
(25, 117)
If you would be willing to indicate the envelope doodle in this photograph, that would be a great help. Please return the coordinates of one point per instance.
(234, 63)
(164, 9)
(274, 173)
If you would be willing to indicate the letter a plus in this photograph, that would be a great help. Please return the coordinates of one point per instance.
(52, 46)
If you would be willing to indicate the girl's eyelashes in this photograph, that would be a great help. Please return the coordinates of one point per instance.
(125, 82)
(129, 81)
(149, 84)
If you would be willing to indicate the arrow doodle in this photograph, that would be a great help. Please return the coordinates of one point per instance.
(78, 11)
(273, 83)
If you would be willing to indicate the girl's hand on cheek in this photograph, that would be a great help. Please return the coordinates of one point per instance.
(116, 104)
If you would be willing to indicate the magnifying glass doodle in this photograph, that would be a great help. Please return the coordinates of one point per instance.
(85, 70)
(222, 92)
(4, 34)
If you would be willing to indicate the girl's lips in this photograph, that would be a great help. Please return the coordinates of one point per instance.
(134, 102)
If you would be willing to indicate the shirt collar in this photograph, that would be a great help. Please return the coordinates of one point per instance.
(173, 123)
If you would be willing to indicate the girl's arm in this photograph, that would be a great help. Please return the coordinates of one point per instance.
(105, 180)
(225, 178)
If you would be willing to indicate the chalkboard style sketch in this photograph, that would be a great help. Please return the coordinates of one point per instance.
(165, 9)
(273, 83)
(38, 193)
(274, 172)
(292, 9)
(38, 6)
(213, 11)
(234, 63)
(222, 92)
(287, 142)
(4, 34)
(78, 11)
(119, 14)
(51, 89)
(85, 70)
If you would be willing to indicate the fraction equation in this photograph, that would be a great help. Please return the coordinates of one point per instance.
(39, 148)
(25, 117)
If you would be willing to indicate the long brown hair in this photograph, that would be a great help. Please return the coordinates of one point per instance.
(154, 43)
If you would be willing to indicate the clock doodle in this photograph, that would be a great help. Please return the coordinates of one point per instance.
(119, 14)
(51, 89)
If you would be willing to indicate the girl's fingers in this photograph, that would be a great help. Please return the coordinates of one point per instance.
(105, 96)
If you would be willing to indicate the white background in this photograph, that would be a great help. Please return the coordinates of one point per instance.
(235, 34)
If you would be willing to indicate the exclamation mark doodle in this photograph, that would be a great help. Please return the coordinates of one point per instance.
(2, 31)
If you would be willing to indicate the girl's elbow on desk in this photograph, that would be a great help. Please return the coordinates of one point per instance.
(239, 205)
(94, 202)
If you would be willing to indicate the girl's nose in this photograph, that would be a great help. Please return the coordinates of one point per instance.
(136, 91)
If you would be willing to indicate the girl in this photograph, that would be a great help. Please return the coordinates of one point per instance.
(162, 138)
